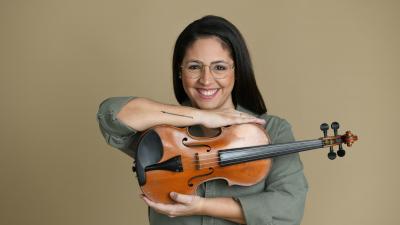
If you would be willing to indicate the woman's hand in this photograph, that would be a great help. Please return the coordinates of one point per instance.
(224, 117)
(185, 205)
(188, 205)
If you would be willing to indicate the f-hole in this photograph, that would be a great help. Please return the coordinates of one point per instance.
(190, 184)
(185, 139)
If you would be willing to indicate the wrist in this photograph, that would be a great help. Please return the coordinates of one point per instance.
(202, 206)
(198, 115)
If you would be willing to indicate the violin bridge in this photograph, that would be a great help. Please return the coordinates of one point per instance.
(197, 161)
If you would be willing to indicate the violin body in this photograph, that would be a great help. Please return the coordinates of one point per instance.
(169, 159)
(172, 159)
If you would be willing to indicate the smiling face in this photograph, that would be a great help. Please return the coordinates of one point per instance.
(206, 92)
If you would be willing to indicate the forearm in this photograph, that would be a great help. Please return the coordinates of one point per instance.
(225, 208)
(141, 114)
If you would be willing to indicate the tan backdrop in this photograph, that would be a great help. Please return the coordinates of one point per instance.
(315, 61)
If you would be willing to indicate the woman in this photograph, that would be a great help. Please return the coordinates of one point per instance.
(215, 86)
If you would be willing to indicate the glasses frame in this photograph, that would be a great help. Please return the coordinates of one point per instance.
(231, 66)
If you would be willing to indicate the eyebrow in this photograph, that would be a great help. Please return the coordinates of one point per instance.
(213, 62)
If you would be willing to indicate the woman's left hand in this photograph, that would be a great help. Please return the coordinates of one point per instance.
(185, 205)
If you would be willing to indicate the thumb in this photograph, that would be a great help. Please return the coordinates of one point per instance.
(181, 198)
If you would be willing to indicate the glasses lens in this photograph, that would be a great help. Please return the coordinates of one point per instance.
(192, 69)
(219, 70)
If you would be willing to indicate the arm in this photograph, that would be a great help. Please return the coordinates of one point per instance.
(115, 133)
(120, 118)
(282, 202)
(141, 114)
(188, 205)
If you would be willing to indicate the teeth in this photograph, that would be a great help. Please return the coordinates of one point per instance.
(207, 92)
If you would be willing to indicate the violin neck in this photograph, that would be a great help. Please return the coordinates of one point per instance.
(246, 154)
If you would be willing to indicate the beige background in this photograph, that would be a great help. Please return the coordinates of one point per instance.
(315, 61)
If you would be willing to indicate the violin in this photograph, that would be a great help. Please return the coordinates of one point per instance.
(169, 158)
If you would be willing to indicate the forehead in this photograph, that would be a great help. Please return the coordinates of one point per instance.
(208, 49)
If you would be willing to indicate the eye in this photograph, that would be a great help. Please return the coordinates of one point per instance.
(193, 67)
(220, 67)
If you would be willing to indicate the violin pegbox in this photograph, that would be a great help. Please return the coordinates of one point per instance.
(329, 141)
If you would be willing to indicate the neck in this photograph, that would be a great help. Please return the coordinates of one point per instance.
(240, 155)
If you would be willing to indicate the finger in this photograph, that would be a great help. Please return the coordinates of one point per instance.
(155, 205)
(181, 198)
(260, 121)
(244, 115)
(148, 202)
(167, 209)
(250, 120)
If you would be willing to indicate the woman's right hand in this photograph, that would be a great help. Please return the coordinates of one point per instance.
(224, 117)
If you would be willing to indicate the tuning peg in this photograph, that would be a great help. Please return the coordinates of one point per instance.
(331, 154)
(324, 127)
(335, 126)
(341, 152)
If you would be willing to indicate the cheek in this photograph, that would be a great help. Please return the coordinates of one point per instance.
(186, 85)
(228, 84)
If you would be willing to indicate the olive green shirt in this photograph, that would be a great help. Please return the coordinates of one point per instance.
(278, 200)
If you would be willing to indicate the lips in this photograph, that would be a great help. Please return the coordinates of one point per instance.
(207, 93)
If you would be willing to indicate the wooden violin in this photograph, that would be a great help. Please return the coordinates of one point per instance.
(172, 159)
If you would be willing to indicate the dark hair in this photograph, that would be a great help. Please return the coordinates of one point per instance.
(245, 91)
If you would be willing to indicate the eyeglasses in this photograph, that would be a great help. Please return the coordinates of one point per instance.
(219, 70)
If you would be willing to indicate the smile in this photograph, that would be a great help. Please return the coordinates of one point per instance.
(207, 93)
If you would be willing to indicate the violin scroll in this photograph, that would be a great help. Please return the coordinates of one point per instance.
(329, 141)
(350, 138)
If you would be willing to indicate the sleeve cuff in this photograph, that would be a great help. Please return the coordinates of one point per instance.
(107, 116)
(251, 211)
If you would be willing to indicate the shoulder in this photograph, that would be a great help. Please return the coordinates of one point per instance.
(279, 129)
(273, 121)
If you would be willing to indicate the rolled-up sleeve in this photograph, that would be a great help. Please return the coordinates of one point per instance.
(282, 202)
(116, 133)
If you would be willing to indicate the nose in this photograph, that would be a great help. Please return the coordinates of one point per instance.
(206, 77)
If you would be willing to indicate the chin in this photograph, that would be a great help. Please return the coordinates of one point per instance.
(206, 105)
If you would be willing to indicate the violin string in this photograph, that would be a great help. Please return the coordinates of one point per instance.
(235, 149)
(215, 163)
(204, 156)
(201, 162)
(206, 161)
(238, 149)
(214, 154)
(260, 155)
